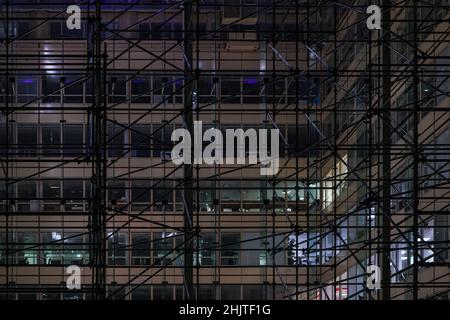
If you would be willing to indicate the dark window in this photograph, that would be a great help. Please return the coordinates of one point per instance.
(72, 140)
(162, 144)
(304, 90)
(233, 10)
(116, 292)
(204, 90)
(308, 144)
(289, 32)
(277, 244)
(157, 140)
(141, 293)
(73, 91)
(51, 140)
(296, 144)
(162, 292)
(251, 90)
(203, 29)
(230, 243)
(231, 90)
(117, 191)
(141, 191)
(141, 141)
(22, 28)
(179, 292)
(88, 91)
(166, 30)
(26, 190)
(253, 292)
(252, 253)
(162, 245)
(26, 88)
(112, 25)
(51, 89)
(206, 292)
(51, 189)
(27, 140)
(141, 252)
(144, 30)
(73, 189)
(178, 90)
(51, 296)
(248, 7)
(163, 195)
(4, 138)
(116, 140)
(156, 32)
(55, 30)
(159, 89)
(2, 189)
(231, 292)
(440, 233)
(177, 31)
(275, 91)
(168, 87)
(117, 89)
(142, 196)
(141, 89)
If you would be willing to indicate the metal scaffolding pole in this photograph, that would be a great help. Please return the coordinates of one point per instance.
(188, 118)
(386, 150)
(416, 160)
(98, 158)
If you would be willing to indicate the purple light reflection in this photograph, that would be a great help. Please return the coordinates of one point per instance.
(27, 81)
(250, 81)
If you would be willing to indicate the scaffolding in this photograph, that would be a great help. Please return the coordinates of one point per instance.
(85, 135)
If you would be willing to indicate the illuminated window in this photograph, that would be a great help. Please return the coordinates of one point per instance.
(207, 246)
(74, 250)
(341, 174)
(327, 189)
(333, 176)
(26, 252)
